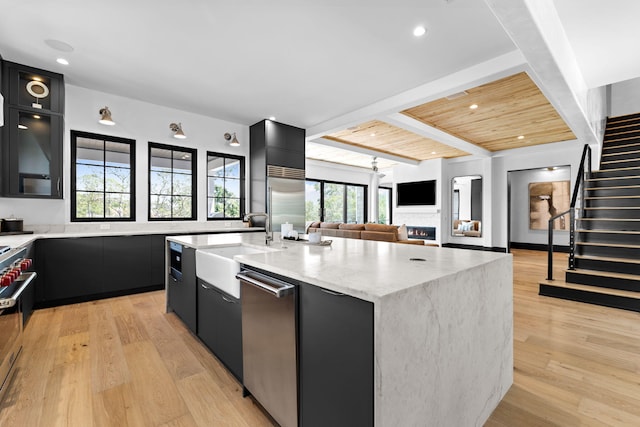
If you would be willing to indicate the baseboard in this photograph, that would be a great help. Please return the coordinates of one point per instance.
(539, 247)
(474, 247)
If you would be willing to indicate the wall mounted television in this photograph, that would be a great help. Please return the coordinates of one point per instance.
(419, 193)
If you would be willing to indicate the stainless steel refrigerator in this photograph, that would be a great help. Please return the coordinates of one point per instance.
(285, 202)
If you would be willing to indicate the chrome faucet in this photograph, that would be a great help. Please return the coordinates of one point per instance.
(268, 232)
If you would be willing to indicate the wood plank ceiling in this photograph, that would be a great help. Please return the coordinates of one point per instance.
(386, 138)
(507, 109)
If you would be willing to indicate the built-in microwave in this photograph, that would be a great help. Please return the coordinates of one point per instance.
(175, 260)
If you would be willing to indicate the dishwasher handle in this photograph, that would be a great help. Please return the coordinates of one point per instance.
(275, 287)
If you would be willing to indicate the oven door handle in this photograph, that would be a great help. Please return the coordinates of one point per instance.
(26, 278)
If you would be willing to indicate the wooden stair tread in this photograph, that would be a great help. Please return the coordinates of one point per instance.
(612, 245)
(610, 178)
(622, 153)
(608, 231)
(633, 144)
(628, 138)
(606, 274)
(608, 219)
(611, 197)
(616, 187)
(593, 289)
(618, 169)
(612, 207)
(610, 162)
(608, 259)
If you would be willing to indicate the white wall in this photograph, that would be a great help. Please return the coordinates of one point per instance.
(135, 120)
(625, 97)
(428, 216)
(520, 180)
(547, 155)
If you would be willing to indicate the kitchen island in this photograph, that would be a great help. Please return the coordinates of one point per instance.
(442, 319)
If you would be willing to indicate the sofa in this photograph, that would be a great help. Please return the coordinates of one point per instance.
(467, 228)
(368, 231)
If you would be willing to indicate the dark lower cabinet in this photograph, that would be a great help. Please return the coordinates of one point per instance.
(181, 293)
(69, 268)
(336, 359)
(127, 262)
(84, 268)
(220, 326)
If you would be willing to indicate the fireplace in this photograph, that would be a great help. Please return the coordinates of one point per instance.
(424, 233)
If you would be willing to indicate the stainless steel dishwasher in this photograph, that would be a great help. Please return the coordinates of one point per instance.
(269, 351)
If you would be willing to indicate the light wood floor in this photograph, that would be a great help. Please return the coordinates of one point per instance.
(124, 362)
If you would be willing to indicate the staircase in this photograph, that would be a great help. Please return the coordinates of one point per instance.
(607, 235)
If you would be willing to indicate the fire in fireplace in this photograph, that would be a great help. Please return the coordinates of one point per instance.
(425, 233)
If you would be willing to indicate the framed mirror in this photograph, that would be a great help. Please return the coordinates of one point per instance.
(466, 206)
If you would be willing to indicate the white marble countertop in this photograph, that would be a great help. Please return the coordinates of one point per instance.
(368, 270)
(19, 240)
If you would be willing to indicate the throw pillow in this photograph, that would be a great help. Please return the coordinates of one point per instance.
(403, 233)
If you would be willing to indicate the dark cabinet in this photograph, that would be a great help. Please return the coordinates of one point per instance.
(336, 359)
(69, 268)
(76, 269)
(127, 262)
(181, 292)
(220, 326)
(274, 146)
(33, 132)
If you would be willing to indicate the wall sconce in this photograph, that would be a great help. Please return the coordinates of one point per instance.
(177, 129)
(234, 142)
(105, 117)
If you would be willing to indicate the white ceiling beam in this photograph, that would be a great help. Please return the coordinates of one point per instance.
(365, 151)
(502, 66)
(534, 26)
(417, 127)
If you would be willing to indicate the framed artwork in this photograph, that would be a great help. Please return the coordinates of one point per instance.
(547, 199)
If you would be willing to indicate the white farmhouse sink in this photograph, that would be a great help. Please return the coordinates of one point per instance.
(217, 267)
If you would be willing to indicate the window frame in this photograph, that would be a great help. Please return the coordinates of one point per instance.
(194, 181)
(345, 195)
(242, 185)
(74, 135)
(390, 190)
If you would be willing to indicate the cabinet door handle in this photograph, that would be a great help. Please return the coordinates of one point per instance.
(207, 287)
(58, 185)
(227, 299)
(335, 294)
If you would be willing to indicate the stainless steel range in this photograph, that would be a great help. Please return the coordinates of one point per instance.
(14, 279)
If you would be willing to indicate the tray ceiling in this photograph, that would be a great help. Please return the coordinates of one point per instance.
(511, 113)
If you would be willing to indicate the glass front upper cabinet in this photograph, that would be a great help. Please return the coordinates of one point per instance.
(32, 135)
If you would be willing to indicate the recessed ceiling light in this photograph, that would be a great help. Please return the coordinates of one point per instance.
(22, 127)
(37, 79)
(59, 45)
(272, 118)
(473, 106)
(521, 137)
(419, 31)
(62, 61)
(35, 116)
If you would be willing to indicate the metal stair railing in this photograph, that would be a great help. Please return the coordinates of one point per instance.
(576, 210)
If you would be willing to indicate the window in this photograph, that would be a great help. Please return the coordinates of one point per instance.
(172, 182)
(102, 178)
(335, 202)
(312, 211)
(225, 186)
(384, 205)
